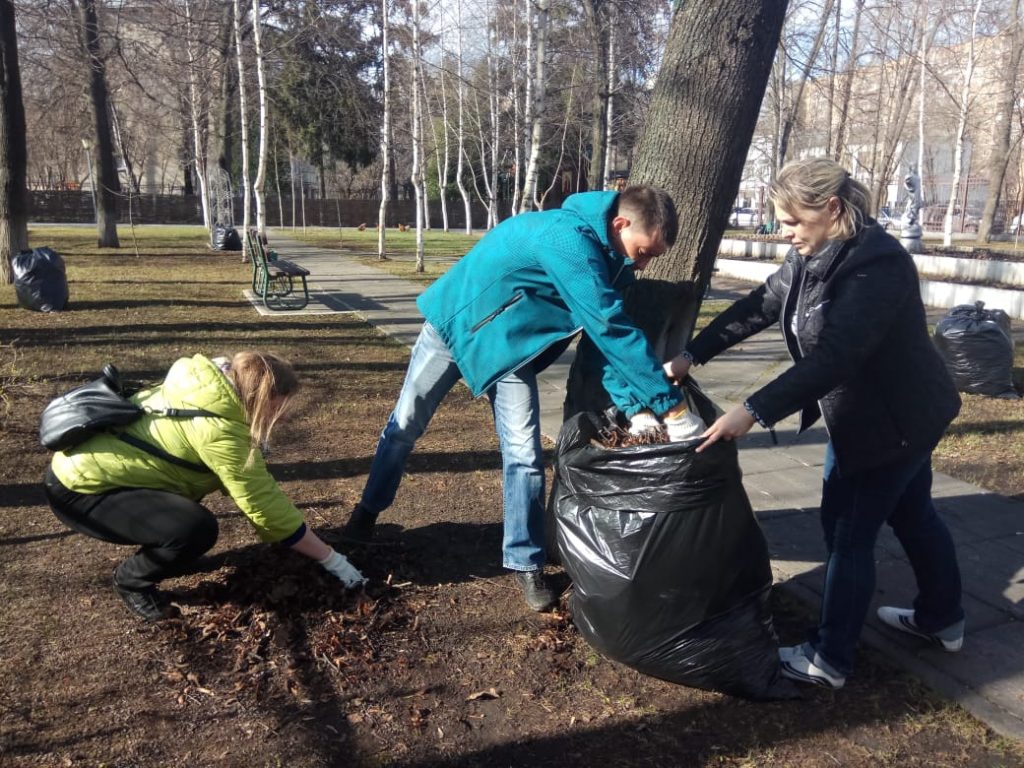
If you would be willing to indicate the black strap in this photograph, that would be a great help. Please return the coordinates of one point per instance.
(160, 453)
(182, 412)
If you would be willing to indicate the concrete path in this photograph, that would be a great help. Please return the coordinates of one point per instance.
(784, 483)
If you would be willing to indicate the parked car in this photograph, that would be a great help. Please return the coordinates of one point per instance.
(886, 218)
(745, 217)
(1016, 224)
(933, 217)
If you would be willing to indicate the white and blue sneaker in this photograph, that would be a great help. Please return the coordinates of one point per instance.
(797, 665)
(951, 638)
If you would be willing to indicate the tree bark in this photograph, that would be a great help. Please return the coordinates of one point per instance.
(223, 136)
(460, 182)
(243, 113)
(385, 135)
(261, 163)
(536, 126)
(105, 173)
(13, 148)
(1000, 156)
(597, 16)
(847, 89)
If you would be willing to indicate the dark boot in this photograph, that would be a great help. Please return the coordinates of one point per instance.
(148, 603)
(538, 593)
(359, 528)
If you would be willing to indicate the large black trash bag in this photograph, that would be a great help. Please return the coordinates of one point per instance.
(977, 346)
(226, 238)
(40, 280)
(670, 569)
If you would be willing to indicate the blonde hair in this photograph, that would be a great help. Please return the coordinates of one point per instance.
(810, 183)
(259, 378)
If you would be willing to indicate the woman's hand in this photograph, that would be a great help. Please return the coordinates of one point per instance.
(338, 566)
(734, 423)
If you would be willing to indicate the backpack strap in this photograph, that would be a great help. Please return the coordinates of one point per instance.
(160, 453)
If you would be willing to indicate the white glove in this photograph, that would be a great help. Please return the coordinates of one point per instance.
(338, 565)
(643, 422)
(684, 425)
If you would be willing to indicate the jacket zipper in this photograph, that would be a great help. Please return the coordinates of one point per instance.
(796, 337)
(495, 313)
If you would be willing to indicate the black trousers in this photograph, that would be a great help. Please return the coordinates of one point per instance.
(171, 531)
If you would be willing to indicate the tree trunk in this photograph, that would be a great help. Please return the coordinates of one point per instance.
(536, 127)
(1000, 157)
(198, 148)
(792, 114)
(261, 163)
(847, 90)
(104, 167)
(13, 148)
(961, 130)
(609, 119)
(223, 135)
(597, 16)
(385, 135)
(461, 137)
(416, 177)
(243, 112)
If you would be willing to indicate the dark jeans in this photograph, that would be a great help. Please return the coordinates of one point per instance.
(853, 510)
(171, 531)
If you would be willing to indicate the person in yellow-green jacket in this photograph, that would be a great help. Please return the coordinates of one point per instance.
(142, 484)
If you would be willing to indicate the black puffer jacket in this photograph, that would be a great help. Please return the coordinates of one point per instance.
(860, 345)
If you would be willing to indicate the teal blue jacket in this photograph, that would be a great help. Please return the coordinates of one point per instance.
(535, 281)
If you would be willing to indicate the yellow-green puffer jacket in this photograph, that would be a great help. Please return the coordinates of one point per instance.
(104, 463)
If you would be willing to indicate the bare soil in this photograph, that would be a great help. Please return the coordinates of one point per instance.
(436, 663)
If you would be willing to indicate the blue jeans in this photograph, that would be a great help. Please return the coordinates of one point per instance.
(515, 404)
(853, 510)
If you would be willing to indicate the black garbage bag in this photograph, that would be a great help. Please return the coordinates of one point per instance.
(40, 280)
(226, 238)
(977, 346)
(670, 569)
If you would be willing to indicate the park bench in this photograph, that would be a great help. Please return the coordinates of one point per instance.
(275, 280)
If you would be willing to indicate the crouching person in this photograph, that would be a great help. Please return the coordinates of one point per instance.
(142, 484)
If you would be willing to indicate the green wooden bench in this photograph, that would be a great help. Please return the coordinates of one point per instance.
(274, 280)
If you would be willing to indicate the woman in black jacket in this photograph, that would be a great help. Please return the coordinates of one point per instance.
(848, 301)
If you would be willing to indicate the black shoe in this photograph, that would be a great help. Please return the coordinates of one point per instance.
(148, 604)
(359, 527)
(538, 593)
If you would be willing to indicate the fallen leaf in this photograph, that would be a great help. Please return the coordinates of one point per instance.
(490, 693)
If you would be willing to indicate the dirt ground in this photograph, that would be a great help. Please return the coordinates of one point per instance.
(436, 663)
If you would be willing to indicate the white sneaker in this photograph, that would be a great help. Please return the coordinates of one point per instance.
(951, 638)
(796, 666)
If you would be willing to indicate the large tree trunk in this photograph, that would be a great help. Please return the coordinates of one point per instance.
(1000, 156)
(536, 126)
(385, 136)
(243, 112)
(261, 85)
(597, 16)
(13, 149)
(702, 117)
(460, 182)
(104, 168)
(224, 122)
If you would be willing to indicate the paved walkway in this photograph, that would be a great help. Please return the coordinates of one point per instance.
(784, 483)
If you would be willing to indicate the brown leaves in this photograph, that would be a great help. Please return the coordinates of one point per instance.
(490, 693)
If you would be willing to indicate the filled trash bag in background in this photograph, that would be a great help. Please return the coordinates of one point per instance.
(40, 280)
(977, 346)
(670, 569)
(226, 238)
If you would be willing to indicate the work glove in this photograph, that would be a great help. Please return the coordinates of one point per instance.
(643, 422)
(683, 424)
(339, 566)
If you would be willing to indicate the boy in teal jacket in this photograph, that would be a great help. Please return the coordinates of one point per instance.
(499, 316)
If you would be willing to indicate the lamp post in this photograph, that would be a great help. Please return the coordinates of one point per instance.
(87, 146)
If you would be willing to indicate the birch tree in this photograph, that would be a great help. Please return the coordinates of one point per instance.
(460, 137)
(609, 122)
(846, 88)
(198, 134)
(13, 148)
(417, 133)
(1013, 39)
(261, 84)
(385, 134)
(961, 129)
(244, 121)
(537, 90)
(443, 167)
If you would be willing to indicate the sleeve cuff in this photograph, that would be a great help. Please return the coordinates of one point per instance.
(691, 357)
(294, 537)
(754, 414)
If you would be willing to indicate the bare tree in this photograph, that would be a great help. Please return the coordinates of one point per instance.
(13, 149)
(243, 112)
(417, 133)
(385, 134)
(847, 85)
(197, 115)
(537, 79)
(1000, 157)
(261, 80)
(961, 129)
(105, 173)
(461, 133)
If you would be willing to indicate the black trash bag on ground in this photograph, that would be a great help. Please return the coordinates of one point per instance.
(40, 280)
(977, 345)
(670, 569)
(226, 238)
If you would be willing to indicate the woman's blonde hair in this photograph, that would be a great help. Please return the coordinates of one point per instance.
(810, 183)
(258, 379)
